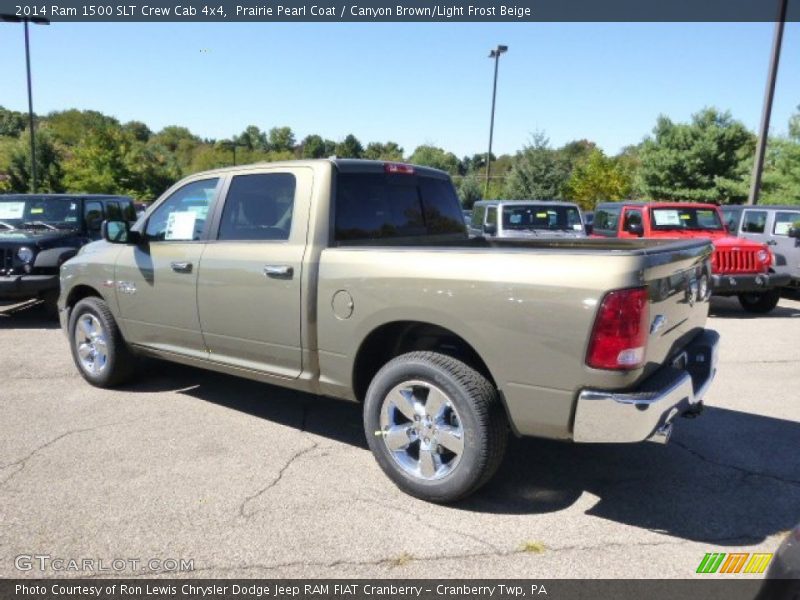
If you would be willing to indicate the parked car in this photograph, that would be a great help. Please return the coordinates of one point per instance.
(740, 267)
(526, 219)
(356, 280)
(776, 226)
(38, 232)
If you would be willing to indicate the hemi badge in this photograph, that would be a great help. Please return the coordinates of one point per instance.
(658, 323)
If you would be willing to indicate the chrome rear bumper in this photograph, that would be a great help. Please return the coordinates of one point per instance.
(647, 413)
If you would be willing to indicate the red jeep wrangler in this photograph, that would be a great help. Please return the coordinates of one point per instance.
(739, 267)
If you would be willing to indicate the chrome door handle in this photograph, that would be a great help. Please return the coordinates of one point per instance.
(279, 271)
(181, 267)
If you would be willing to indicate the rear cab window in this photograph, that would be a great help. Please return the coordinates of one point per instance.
(388, 208)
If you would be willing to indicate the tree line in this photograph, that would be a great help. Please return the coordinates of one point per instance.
(708, 159)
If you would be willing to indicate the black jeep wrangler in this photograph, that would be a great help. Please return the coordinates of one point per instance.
(38, 232)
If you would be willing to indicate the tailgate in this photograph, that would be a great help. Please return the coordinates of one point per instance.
(678, 278)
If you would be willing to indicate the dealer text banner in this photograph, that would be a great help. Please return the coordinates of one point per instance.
(389, 589)
(405, 10)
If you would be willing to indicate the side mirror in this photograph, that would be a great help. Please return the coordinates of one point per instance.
(119, 232)
(794, 232)
(636, 229)
(490, 229)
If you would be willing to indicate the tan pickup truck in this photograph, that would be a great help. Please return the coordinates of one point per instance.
(357, 280)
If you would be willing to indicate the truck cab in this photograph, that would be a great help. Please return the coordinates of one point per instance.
(740, 267)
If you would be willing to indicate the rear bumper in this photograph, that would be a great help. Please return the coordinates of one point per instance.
(751, 282)
(647, 412)
(21, 287)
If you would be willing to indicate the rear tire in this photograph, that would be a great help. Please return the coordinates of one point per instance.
(98, 349)
(760, 302)
(435, 426)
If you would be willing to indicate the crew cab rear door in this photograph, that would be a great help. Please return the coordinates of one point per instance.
(249, 290)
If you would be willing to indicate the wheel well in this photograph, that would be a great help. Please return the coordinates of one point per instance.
(394, 339)
(79, 292)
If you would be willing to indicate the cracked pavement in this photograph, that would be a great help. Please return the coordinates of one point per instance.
(250, 480)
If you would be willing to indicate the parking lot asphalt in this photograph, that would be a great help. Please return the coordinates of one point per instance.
(249, 480)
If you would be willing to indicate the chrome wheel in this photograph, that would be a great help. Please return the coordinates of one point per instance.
(91, 344)
(422, 430)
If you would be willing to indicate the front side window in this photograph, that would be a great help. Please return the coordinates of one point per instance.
(784, 221)
(184, 215)
(477, 217)
(113, 211)
(93, 213)
(754, 221)
(690, 218)
(258, 207)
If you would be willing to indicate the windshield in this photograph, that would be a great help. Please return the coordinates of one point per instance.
(694, 219)
(532, 217)
(46, 213)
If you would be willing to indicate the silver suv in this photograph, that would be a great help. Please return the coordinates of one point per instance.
(776, 226)
(526, 219)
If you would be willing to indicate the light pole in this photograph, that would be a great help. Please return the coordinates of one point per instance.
(495, 54)
(38, 21)
(766, 112)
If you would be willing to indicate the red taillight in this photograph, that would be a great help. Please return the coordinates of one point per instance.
(619, 336)
(398, 168)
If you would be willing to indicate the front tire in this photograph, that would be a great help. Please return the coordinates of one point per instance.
(98, 349)
(760, 302)
(435, 426)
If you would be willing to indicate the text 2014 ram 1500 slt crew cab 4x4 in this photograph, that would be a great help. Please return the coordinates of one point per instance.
(357, 280)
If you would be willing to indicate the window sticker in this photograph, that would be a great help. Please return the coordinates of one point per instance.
(70, 219)
(541, 215)
(37, 211)
(685, 217)
(72, 206)
(180, 225)
(666, 217)
(11, 210)
(783, 228)
(577, 227)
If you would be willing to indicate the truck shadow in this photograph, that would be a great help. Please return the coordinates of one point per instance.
(728, 477)
(729, 308)
(31, 314)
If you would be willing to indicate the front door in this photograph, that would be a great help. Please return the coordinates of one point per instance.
(249, 284)
(157, 279)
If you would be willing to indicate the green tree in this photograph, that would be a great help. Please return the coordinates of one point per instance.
(469, 191)
(538, 173)
(312, 146)
(350, 147)
(596, 178)
(12, 123)
(707, 160)
(432, 156)
(253, 138)
(49, 171)
(70, 126)
(138, 130)
(387, 151)
(281, 139)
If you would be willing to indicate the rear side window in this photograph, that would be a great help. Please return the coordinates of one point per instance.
(385, 206)
(258, 207)
(754, 221)
(606, 219)
(784, 221)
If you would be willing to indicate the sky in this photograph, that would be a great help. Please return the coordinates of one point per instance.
(411, 83)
